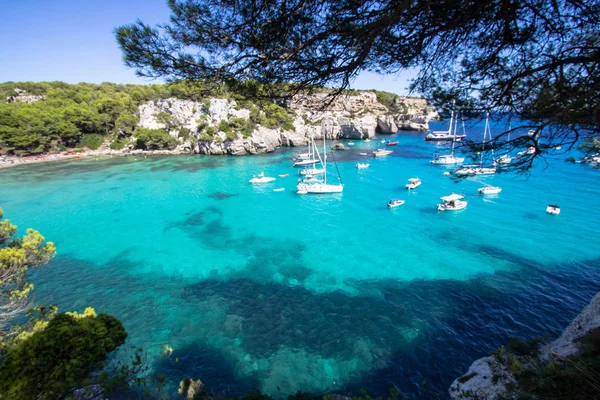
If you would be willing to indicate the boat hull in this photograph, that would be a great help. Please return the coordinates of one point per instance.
(319, 188)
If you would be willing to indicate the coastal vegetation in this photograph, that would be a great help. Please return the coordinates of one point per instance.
(533, 60)
(56, 116)
(52, 354)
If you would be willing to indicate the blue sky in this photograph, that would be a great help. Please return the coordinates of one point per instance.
(72, 41)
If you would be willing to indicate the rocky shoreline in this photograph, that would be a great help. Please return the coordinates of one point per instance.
(488, 378)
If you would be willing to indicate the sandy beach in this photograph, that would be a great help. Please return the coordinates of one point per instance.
(13, 161)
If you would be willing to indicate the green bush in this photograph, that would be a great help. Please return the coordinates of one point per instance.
(154, 139)
(118, 144)
(52, 362)
(91, 140)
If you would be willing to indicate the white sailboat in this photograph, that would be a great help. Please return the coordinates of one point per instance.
(307, 159)
(321, 187)
(450, 159)
(445, 136)
(506, 158)
(479, 169)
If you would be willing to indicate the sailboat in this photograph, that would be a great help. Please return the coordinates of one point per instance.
(506, 158)
(320, 187)
(445, 136)
(312, 150)
(450, 159)
(479, 169)
(307, 158)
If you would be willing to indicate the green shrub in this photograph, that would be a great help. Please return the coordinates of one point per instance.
(91, 140)
(118, 144)
(224, 127)
(153, 139)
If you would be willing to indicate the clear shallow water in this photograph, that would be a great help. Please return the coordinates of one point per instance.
(255, 288)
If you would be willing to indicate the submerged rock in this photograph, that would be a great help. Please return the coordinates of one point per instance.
(338, 146)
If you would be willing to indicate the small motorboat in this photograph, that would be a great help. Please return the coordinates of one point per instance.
(283, 175)
(530, 150)
(261, 178)
(363, 154)
(362, 165)
(489, 189)
(505, 159)
(553, 209)
(395, 203)
(413, 183)
(447, 173)
(381, 153)
(350, 143)
(279, 189)
(391, 144)
(453, 202)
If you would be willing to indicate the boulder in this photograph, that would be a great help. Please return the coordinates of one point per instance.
(485, 379)
(338, 146)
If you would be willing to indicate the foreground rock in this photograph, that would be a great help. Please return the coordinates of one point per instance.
(490, 380)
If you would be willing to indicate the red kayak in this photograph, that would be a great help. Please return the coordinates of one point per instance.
(391, 143)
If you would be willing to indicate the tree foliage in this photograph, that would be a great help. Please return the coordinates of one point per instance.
(17, 255)
(532, 59)
(54, 361)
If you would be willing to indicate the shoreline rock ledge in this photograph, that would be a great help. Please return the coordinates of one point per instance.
(488, 379)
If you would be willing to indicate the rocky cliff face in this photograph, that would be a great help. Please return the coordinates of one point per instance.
(358, 116)
(488, 379)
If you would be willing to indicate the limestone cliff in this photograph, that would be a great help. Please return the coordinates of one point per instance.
(488, 379)
(356, 116)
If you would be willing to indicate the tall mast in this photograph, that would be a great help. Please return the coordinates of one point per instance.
(454, 135)
(324, 159)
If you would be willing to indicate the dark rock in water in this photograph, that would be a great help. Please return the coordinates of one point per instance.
(338, 146)
(222, 196)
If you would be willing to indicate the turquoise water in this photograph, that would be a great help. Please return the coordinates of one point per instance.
(255, 288)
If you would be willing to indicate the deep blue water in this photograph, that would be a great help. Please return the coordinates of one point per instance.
(255, 288)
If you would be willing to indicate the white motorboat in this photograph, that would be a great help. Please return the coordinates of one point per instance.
(453, 202)
(530, 150)
(395, 203)
(413, 183)
(489, 189)
(362, 165)
(318, 186)
(261, 178)
(381, 153)
(363, 154)
(505, 159)
(311, 171)
(350, 143)
(553, 209)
